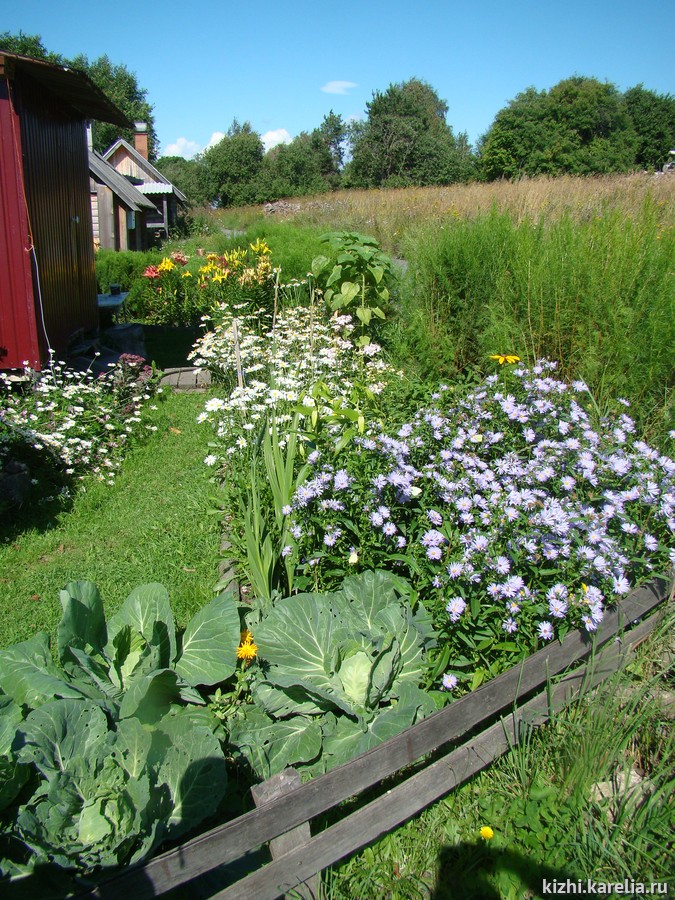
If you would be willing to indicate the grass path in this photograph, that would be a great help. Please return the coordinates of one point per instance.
(152, 525)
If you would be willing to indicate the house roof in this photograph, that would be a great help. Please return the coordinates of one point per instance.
(155, 176)
(70, 85)
(118, 184)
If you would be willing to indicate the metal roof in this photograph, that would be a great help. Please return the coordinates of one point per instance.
(155, 174)
(70, 85)
(155, 187)
(118, 184)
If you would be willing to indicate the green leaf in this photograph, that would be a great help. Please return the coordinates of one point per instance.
(297, 637)
(148, 611)
(194, 770)
(319, 263)
(62, 734)
(377, 272)
(83, 622)
(133, 746)
(150, 697)
(29, 676)
(364, 314)
(334, 275)
(272, 746)
(281, 702)
(370, 592)
(209, 644)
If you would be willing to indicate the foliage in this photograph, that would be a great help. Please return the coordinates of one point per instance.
(188, 176)
(362, 272)
(653, 117)
(591, 292)
(123, 267)
(581, 127)
(339, 673)
(232, 165)
(113, 752)
(121, 86)
(406, 140)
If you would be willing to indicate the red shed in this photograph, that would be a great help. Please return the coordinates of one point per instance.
(47, 279)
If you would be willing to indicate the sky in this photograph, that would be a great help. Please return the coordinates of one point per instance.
(284, 66)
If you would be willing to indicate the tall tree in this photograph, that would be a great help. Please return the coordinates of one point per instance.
(121, 86)
(405, 140)
(581, 126)
(232, 166)
(653, 117)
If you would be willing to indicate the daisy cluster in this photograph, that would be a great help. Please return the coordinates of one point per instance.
(512, 507)
(83, 421)
(282, 362)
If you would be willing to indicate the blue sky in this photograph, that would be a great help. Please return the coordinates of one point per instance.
(283, 66)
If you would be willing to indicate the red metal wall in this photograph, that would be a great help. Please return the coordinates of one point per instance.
(18, 332)
(56, 178)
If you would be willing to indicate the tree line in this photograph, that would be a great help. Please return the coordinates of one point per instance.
(581, 126)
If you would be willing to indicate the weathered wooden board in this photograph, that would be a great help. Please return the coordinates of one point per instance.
(407, 799)
(232, 840)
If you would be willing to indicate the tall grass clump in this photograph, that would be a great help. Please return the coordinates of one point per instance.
(595, 295)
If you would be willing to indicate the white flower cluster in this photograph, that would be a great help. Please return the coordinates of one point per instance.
(84, 421)
(281, 364)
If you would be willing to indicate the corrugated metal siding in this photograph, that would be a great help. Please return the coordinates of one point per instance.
(56, 177)
(18, 334)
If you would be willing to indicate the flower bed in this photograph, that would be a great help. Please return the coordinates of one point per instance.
(74, 423)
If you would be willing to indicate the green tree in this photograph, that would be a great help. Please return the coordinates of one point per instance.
(121, 86)
(187, 175)
(331, 136)
(653, 117)
(28, 45)
(232, 166)
(406, 140)
(581, 127)
(295, 169)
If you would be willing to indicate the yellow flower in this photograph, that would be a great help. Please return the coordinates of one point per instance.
(506, 358)
(166, 265)
(487, 833)
(260, 246)
(247, 649)
(186, 274)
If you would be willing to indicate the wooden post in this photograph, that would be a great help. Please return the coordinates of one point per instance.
(275, 787)
(237, 353)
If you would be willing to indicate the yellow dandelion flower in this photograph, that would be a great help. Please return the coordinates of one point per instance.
(247, 649)
(505, 358)
(487, 833)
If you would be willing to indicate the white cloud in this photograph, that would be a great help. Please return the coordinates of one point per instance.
(215, 138)
(272, 138)
(182, 147)
(338, 87)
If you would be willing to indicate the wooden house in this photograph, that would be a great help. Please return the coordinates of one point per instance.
(47, 280)
(133, 163)
(119, 210)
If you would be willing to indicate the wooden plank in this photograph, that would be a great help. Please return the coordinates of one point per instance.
(232, 840)
(420, 790)
(278, 786)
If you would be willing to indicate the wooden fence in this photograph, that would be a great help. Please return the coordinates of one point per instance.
(526, 694)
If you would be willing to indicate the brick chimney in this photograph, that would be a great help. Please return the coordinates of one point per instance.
(141, 138)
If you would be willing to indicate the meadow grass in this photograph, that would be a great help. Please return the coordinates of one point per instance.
(152, 525)
(596, 296)
(541, 801)
(388, 214)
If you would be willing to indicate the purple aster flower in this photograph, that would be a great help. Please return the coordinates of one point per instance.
(287, 550)
(434, 553)
(449, 683)
(389, 529)
(510, 625)
(432, 538)
(455, 608)
(545, 631)
(341, 481)
(434, 517)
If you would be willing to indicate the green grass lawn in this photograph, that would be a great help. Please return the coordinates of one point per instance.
(152, 525)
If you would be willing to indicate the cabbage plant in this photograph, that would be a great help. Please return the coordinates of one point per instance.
(339, 673)
(114, 750)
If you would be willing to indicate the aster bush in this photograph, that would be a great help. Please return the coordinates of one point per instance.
(78, 422)
(516, 510)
